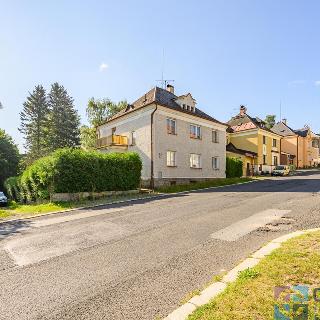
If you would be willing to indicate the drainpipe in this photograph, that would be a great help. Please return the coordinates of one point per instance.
(152, 155)
(297, 152)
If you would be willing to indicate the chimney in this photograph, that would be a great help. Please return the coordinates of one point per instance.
(170, 88)
(243, 110)
(284, 120)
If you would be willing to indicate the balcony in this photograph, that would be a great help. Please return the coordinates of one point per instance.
(110, 141)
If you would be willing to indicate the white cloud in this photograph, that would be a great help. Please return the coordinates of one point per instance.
(296, 83)
(103, 67)
(317, 83)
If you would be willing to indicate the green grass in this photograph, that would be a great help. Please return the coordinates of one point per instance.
(251, 296)
(202, 185)
(26, 210)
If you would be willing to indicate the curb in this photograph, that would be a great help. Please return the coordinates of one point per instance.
(159, 195)
(216, 288)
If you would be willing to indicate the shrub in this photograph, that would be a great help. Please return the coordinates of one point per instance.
(13, 188)
(234, 168)
(75, 170)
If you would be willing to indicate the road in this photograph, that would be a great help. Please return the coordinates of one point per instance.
(138, 260)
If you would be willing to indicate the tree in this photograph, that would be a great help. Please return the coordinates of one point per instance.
(64, 119)
(98, 110)
(9, 157)
(101, 109)
(35, 123)
(270, 120)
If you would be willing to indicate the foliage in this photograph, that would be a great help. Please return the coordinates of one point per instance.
(64, 120)
(13, 188)
(88, 138)
(98, 110)
(270, 120)
(9, 157)
(35, 123)
(234, 168)
(75, 170)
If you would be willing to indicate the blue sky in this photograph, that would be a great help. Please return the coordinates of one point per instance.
(225, 53)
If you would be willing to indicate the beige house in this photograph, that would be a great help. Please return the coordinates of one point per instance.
(298, 147)
(177, 142)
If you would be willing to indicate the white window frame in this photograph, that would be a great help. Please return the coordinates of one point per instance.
(197, 132)
(171, 158)
(170, 121)
(215, 163)
(215, 133)
(195, 161)
(274, 143)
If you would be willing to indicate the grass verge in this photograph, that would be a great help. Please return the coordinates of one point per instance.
(26, 210)
(251, 296)
(202, 185)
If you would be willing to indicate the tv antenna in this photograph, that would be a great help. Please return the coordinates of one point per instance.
(163, 82)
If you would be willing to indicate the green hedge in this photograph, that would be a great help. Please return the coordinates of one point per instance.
(75, 170)
(234, 168)
(13, 188)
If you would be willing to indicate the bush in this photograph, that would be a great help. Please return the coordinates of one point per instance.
(13, 188)
(75, 170)
(234, 168)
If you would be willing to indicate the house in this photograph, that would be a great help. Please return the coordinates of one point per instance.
(177, 142)
(251, 135)
(298, 147)
(248, 158)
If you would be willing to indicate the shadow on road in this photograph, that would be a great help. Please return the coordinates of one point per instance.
(13, 227)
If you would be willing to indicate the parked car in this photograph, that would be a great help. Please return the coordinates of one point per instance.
(3, 199)
(281, 171)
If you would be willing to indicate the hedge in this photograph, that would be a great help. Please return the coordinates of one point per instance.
(75, 170)
(234, 168)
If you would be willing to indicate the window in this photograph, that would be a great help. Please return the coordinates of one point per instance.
(195, 161)
(264, 138)
(215, 163)
(195, 131)
(275, 160)
(171, 158)
(133, 138)
(171, 126)
(274, 143)
(215, 136)
(264, 159)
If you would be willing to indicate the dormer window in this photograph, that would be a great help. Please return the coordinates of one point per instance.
(184, 106)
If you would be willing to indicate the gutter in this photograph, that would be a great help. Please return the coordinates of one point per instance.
(152, 153)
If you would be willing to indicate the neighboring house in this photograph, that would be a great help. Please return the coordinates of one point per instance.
(248, 158)
(251, 135)
(176, 141)
(298, 147)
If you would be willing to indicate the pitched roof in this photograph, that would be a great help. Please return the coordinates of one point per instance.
(164, 98)
(302, 132)
(283, 130)
(232, 148)
(242, 122)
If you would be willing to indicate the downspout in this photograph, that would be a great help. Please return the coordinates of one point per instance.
(152, 153)
(297, 152)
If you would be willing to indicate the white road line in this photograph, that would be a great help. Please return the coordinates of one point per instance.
(245, 226)
(72, 217)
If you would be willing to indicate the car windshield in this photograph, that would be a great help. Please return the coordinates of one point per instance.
(1, 194)
(279, 168)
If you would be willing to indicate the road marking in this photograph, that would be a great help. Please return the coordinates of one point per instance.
(71, 217)
(245, 226)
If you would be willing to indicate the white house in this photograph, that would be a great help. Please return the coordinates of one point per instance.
(177, 142)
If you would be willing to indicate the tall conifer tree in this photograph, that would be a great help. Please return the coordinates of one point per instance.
(64, 119)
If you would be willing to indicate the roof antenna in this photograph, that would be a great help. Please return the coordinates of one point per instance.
(164, 82)
(280, 111)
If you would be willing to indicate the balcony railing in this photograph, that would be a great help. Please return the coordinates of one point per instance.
(114, 140)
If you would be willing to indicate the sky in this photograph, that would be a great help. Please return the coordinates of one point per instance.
(259, 53)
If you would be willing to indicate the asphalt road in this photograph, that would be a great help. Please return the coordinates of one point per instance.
(139, 260)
